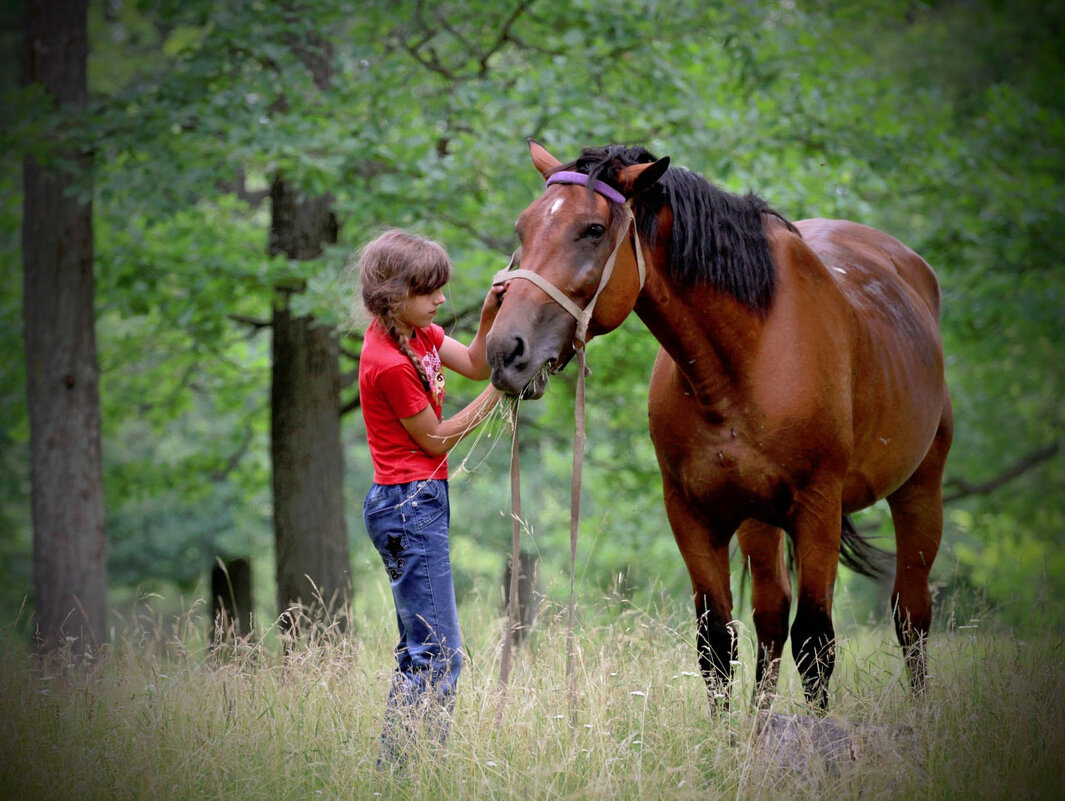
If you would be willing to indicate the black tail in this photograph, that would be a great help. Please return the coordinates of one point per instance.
(860, 555)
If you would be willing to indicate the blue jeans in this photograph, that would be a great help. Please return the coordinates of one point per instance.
(408, 524)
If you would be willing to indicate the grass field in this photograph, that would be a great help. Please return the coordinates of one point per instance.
(158, 716)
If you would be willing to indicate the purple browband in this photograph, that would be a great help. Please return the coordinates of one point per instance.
(567, 177)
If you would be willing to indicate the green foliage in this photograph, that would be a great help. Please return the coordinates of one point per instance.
(941, 123)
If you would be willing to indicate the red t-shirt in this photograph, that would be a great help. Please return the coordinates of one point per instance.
(389, 390)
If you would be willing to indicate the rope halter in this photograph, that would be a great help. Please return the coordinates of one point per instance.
(582, 316)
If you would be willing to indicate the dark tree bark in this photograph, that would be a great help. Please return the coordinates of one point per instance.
(69, 567)
(528, 594)
(231, 600)
(311, 538)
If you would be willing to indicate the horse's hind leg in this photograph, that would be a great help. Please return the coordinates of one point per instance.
(917, 512)
(762, 546)
(705, 552)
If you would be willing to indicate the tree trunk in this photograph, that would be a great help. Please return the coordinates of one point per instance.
(528, 593)
(311, 538)
(231, 600)
(62, 376)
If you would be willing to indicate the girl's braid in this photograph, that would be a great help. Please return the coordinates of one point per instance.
(403, 343)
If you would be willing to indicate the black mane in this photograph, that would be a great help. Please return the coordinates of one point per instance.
(718, 238)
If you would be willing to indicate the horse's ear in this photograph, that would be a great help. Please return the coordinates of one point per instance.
(544, 161)
(637, 178)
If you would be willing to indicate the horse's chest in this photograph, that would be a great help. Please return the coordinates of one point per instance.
(715, 465)
(729, 458)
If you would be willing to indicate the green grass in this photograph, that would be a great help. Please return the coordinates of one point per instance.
(157, 716)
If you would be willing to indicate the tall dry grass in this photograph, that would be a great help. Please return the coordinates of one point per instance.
(158, 715)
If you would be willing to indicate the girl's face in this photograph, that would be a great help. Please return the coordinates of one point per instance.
(418, 311)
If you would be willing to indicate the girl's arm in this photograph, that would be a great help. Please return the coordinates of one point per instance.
(437, 437)
(470, 361)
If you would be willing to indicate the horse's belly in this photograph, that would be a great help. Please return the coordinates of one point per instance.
(898, 409)
(885, 463)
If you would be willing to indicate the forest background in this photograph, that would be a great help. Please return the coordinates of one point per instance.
(940, 122)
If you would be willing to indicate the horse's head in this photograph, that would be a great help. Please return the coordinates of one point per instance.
(581, 270)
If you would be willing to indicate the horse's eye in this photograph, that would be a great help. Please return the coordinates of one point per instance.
(593, 231)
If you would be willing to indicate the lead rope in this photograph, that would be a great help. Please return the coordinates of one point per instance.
(515, 563)
(583, 318)
(574, 520)
(579, 438)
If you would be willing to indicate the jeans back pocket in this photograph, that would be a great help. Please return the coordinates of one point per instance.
(427, 504)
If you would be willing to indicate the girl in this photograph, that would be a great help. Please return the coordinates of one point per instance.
(401, 387)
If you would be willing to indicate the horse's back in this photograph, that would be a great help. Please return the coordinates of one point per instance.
(842, 244)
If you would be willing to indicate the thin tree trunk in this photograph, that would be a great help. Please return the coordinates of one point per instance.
(310, 531)
(231, 600)
(528, 606)
(69, 565)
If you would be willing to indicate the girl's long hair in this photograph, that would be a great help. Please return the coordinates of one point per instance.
(393, 267)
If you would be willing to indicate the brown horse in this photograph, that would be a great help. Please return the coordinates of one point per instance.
(800, 379)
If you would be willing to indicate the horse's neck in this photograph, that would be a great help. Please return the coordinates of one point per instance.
(710, 336)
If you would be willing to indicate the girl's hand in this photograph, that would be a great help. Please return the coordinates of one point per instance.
(492, 301)
(470, 360)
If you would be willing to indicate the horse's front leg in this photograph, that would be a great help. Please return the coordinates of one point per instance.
(716, 645)
(762, 546)
(705, 552)
(815, 523)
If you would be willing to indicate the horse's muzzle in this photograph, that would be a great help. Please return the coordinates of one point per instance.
(529, 388)
(515, 369)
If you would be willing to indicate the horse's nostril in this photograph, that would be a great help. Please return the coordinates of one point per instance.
(517, 352)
